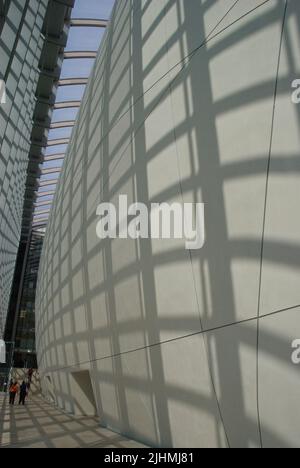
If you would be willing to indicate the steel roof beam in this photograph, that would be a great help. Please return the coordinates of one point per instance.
(48, 183)
(41, 212)
(54, 157)
(45, 194)
(45, 218)
(94, 23)
(80, 55)
(57, 142)
(43, 203)
(72, 81)
(62, 124)
(52, 170)
(43, 223)
(67, 104)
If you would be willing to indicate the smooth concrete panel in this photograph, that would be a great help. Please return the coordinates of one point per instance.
(232, 355)
(223, 131)
(188, 410)
(279, 380)
(281, 262)
(126, 396)
(182, 38)
(249, 12)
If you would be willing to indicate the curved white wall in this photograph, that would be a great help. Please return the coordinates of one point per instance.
(170, 338)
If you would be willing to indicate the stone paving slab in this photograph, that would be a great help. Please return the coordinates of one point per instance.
(40, 425)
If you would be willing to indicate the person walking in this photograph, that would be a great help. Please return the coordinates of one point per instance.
(13, 390)
(23, 393)
(30, 374)
(10, 385)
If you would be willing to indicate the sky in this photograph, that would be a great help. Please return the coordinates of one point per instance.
(100, 9)
(80, 39)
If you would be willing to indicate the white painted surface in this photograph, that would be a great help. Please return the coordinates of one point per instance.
(202, 134)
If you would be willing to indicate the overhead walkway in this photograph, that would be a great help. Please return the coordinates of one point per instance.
(40, 425)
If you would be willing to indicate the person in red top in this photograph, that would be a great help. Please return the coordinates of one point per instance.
(13, 390)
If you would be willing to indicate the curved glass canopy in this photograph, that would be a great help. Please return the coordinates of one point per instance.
(88, 22)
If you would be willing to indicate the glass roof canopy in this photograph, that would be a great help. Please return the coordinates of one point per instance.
(88, 22)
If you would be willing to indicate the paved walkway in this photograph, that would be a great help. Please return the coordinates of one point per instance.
(40, 425)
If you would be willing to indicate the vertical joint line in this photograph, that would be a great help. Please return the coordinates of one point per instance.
(264, 220)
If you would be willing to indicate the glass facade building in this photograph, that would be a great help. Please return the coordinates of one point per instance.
(82, 40)
(24, 339)
(21, 45)
(168, 102)
(33, 35)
